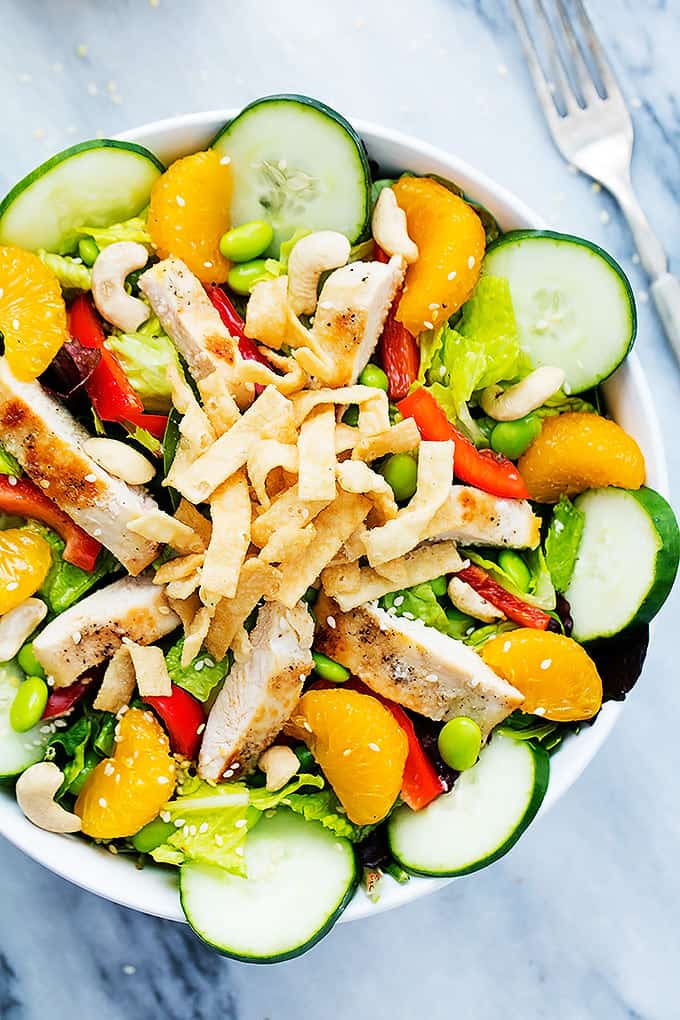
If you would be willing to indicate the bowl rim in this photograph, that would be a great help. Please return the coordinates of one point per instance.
(63, 857)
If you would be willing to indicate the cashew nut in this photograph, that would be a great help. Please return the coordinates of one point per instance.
(279, 764)
(312, 256)
(389, 227)
(18, 624)
(120, 460)
(524, 396)
(465, 598)
(113, 302)
(35, 791)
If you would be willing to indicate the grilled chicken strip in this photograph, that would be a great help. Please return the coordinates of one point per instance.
(260, 693)
(188, 317)
(415, 665)
(48, 443)
(472, 517)
(93, 629)
(350, 315)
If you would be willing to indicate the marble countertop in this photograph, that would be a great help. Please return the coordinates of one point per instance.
(581, 920)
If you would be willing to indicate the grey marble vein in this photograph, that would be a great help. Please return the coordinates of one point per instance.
(581, 921)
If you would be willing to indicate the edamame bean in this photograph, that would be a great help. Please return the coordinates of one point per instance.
(351, 415)
(512, 438)
(241, 244)
(91, 760)
(513, 564)
(329, 669)
(28, 661)
(243, 276)
(29, 704)
(439, 586)
(152, 835)
(400, 471)
(459, 743)
(374, 376)
(88, 249)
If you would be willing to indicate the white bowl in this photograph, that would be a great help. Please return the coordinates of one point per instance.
(154, 889)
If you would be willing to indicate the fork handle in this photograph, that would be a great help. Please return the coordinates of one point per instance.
(666, 293)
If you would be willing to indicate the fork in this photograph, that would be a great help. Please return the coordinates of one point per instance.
(591, 126)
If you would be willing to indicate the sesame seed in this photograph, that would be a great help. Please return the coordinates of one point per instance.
(109, 769)
(180, 201)
(90, 478)
(228, 774)
(374, 747)
(12, 480)
(165, 816)
(442, 371)
(471, 261)
(507, 645)
(97, 532)
(208, 264)
(330, 620)
(76, 637)
(15, 324)
(240, 851)
(185, 831)
(164, 610)
(240, 823)
(112, 848)
(452, 275)
(44, 483)
(199, 665)
(225, 161)
(539, 711)
(399, 601)
(219, 839)
(162, 780)
(432, 678)
(408, 616)
(12, 586)
(102, 802)
(347, 752)
(427, 325)
(546, 664)
(179, 822)
(306, 726)
(236, 764)
(200, 728)
(203, 827)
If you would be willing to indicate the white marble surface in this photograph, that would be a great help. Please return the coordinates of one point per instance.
(580, 922)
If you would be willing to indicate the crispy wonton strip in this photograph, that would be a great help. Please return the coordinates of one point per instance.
(333, 526)
(186, 609)
(153, 680)
(287, 508)
(195, 636)
(270, 413)
(346, 438)
(266, 456)
(118, 683)
(288, 541)
(400, 438)
(399, 536)
(182, 589)
(256, 580)
(231, 516)
(161, 527)
(294, 380)
(179, 569)
(374, 414)
(305, 402)
(219, 405)
(316, 447)
(194, 519)
(355, 476)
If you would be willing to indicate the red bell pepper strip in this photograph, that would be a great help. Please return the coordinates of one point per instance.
(234, 323)
(62, 700)
(485, 469)
(184, 719)
(515, 609)
(155, 424)
(398, 351)
(21, 496)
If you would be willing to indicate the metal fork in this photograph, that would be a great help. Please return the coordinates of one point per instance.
(591, 126)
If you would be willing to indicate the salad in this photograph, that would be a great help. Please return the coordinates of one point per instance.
(316, 539)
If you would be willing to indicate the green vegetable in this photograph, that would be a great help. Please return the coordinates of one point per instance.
(72, 274)
(146, 357)
(169, 447)
(439, 586)
(323, 806)
(104, 740)
(351, 415)
(201, 676)
(29, 704)
(563, 541)
(144, 438)
(400, 471)
(243, 276)
(514, 566)
(459, 743)
(378, 186)
(88, 250)
(460, 624)
(540, 592)
(152, 835)
(73, 742)
(305, 757)
(330, 670)
(560, 403)
(90, 761)
(66, 583)
(420, 602)
(374, 376)
(512, 438)
(9, 465)
(246, 242)
(481, 635)
(28, 661)
(521, 726)
(133, 229)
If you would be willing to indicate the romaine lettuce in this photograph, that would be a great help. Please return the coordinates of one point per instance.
(146, 357)
(71, 273)
(133, 229)
(9, 465)
(201, 676)
(65, 583)
(325, 807)
(562, 542)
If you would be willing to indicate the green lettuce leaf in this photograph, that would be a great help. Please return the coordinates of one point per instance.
(562, 542)
(325, 807)
(73, 742)
(9, 465)
(560, 403)
(146, 357)
(419, 603)
(65, 583)
(133, 229)
(541, 592)
(72, 274)
(481, 635)
(201, 676)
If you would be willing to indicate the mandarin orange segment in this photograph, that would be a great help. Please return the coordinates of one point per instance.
(125, 792)
(358, 744)
(579, 451)
(25, 559)
(555, 674)
(450, 239)
(190, 210)
(32, 312)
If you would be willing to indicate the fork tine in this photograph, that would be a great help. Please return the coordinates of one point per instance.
(597, 52)
(540, 81)
(580, 68)
(557, 69)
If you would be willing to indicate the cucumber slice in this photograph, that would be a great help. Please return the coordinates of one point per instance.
(573, 303)
(17, 750)
(300, 879)
(487, 811)
(626, 563)
(95, 184)
(297, 164)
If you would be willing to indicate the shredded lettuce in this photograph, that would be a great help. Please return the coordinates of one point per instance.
(65, 583)
(146, 357)
(562, 542)
(323, 806)
(133, 229)
(72, 273)
(212, 822)
(201, 676)
(9, 465)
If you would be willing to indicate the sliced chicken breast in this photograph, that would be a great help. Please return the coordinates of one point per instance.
(93, 629)
(472, 517)
(188, 317)
(416, 666)
(259, 694)
(350, 316)
(48, 443)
